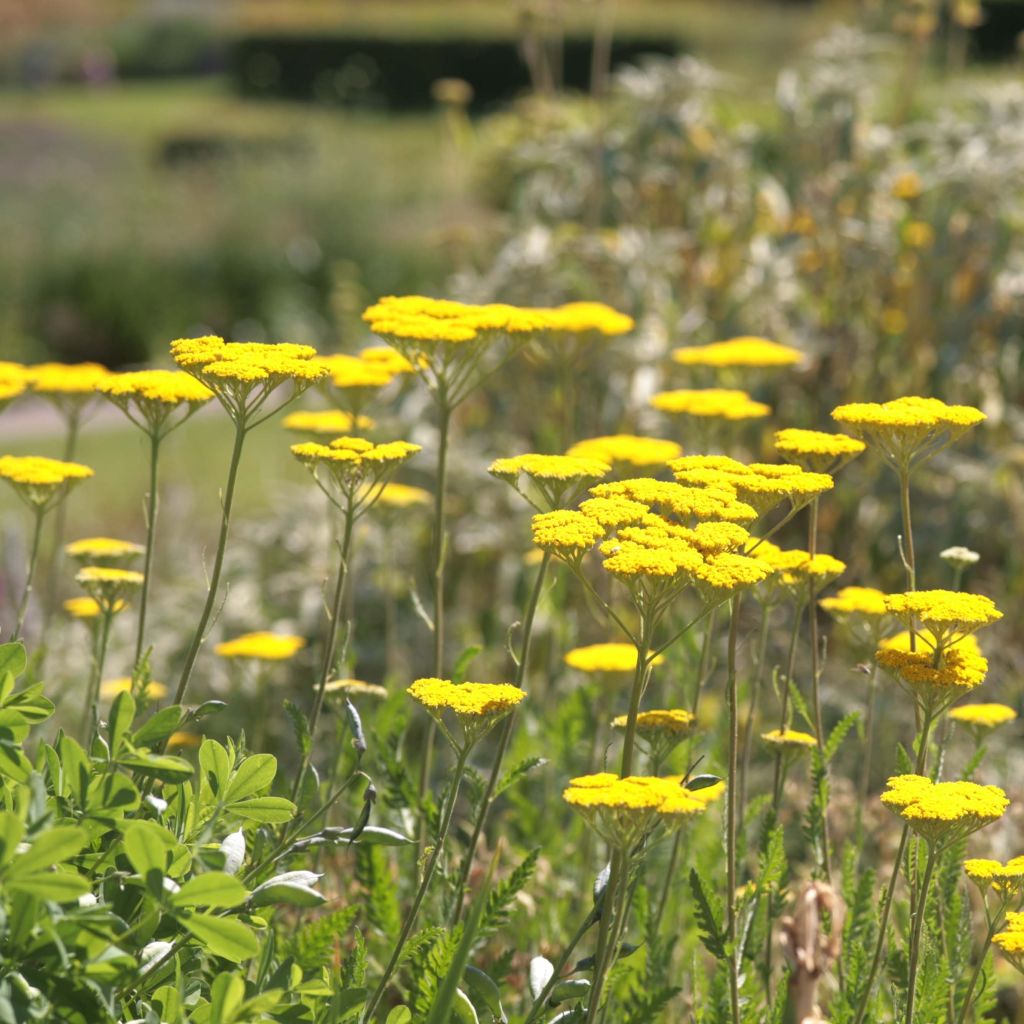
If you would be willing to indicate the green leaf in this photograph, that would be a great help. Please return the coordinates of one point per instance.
(49, 848)
(484, 988)
(269, 809)
(462, 663)
(11, 831)
(146, 844)
(284, 893)
(110, 796)
(12, 659)
(215, 764)
(13, 763)
(59, 886)
(213, 889)
(300, 726)
(226, 996)
(223, 936)
(254, 775)
(463, 1008)
(157, 727)
(517, 772)
(838, 734)
(165, 767)
(122, 714)
(709, 916)
(399, 1015)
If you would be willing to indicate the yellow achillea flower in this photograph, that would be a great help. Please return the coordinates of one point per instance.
(948, 615)
(613, 512)
(901, 642)
(822, 568)
(149, 398)
(627, 449)
(87, 607)
(557, 478)
(1011, 943)
(388, 358)
(467, 700)
(62, 380)
(665, 559)
(403, 496)
(586, 318)
(710, 403)
(722, 575)
(745, 352)
(674, 721)
(983, 716)
(326, 421)
(817, 451)
(261, 646)
(907, 431)
(789, 740)
(851, 601)
(693, 504)
(184, 739)
(102, 550)
(935, 685)
(1007, 880)
(123, 684)
(944, 812)
(606, 657)
(351, 372)
(566, 533)
(355, 688)
(39, 480)
(108, 586)
(10, 388)
(624, 810)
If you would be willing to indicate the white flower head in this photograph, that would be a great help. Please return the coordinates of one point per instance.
(959, 556)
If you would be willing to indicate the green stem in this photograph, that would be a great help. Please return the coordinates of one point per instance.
(330, 646)
(784, 709)
(33, 561)
(604, 935)
(539, 1002)
(993, 927)
(421, 892)
(639, 682)
(90, 718)
(746, 744)
(151, 510)
(915, 935)
(503, 740)
(908, 544)
(74, 422)
(819, 727)
(730, 820)
(218, 563)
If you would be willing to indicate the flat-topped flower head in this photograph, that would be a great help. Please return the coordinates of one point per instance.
(821, 568)
(325, 422)
(108, 586)
(475, 707)
(625, 810)
(960, 557)
(586, 318)
(738, 353)
(907, 431)
(788, 741)
(352, 373)
(156, 401)
(861, 601)
(103, 550)
(394, 495)
(710, 403)
(614, 512)
(566, 533)
(721, 576)
(606, 657)
(152, 690)
(555, 479)
(353, 471)
(627, 449)
(243, 374)
(87, 607)
(68, 386)
(261, 646)
(948, 615)
(674, 721)
(40, 481)
(648, 558)
(688, 505)
(934, 685)
(817, 451)
(355, 688)
(983, 717)
(1010, 941)
(944, 812)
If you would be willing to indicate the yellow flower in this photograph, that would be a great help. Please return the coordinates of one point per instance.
(1007, 880)
(108, 586)
(918, 234)
(850, 601)
(123, 684)
(566, 533)
(907, 431)
(403, 496)
(149, 398)
(586, 318)
(817, 451)
(627, 449)
(607, 657)
(467, 700)
(184, 739)
(691, 504)
(933, 685)
(710, 403)
(355, 688)
(907, 185)
(351, 372)
(557, 478)
(674, 721)
(66, 380)
(41, 481)
(261, 646)
(326, 421)
(789, 739)
(983, 716)
(612, 512)
(720, 576)
(944, 812)
(10, 388)
(87, 607)
(745, 352)
(101, 550)
(822, 568)
(948, 615)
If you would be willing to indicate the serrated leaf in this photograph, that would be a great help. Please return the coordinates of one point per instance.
(838, 734)
(708, 913)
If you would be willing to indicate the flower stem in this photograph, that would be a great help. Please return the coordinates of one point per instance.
(218, 563)
(746, 744)
(151, 510)
(909, 560)
(615, 879)
(538, 1003)
(33, 561)
(90, 719)
(421, 892)
(730, 820)
(993, 927)
(503, 740)
(915, 935)
(819, 727)
(74, 422)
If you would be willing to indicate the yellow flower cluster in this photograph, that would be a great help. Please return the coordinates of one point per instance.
(65, 379)
(261, 646)
(356, 688)
(607, 657)
(12, 381)
(87, 607)
(403, 496)
(153, 395)
(944, 811)
(325, 421)
(1006, 879)
(103, 549)
(934, 685)
(983, 716)
(627, 449)
(907, 430)
(1011, 939)
(856, 601)
(789, 739)
(108, 586)
(355, 372)
(123, 684)
(624, 810)
(948, 615)
(39, 480)
(566, 533)
(674, 721)
(745, 352)
(557, 478)
(578, 318)
(698, 503)
(710, 403)
(815, 450)
(466, 700)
